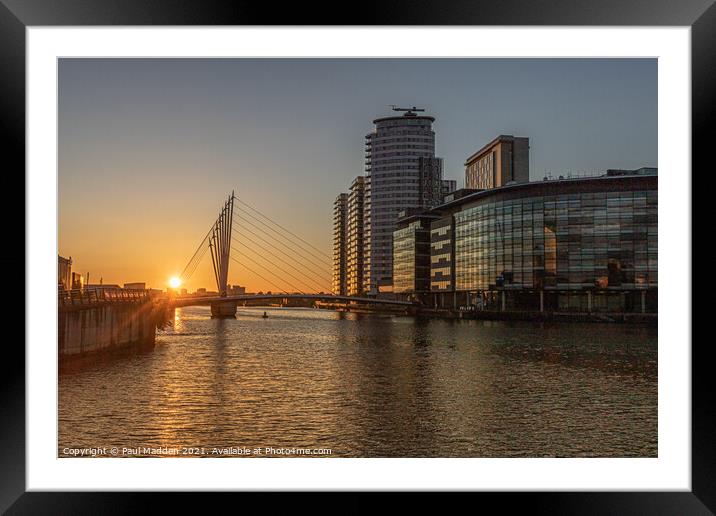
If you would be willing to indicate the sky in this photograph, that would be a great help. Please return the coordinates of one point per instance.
(149, 149)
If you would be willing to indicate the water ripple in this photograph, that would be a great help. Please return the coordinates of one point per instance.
(368, 386)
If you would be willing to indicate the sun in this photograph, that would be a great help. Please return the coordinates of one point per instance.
(174, 282)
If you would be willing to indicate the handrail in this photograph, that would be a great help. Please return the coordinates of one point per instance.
(95, 296)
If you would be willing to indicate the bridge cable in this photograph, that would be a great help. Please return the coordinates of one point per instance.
(282, 227)
(270, 271)
(216, 238)
(259, 275)
(321, 257)
(200, 248)
(196, 264)
(284, 244)
(315, 279)
(191, 266)
(300, 280)
(201, 245)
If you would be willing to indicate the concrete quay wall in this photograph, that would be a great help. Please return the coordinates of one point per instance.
(106, 327)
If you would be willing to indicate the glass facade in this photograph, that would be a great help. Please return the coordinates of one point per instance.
(589, 239)
(411, 257)
(441, 256)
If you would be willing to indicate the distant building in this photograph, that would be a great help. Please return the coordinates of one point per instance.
(457, 194)
(643, 171)
(431, 185)
(236, 290)
(78, 282)
(201, 291)
(183, 292)
(102, 286)
(64, 272)
(355, 237)
(135, 286)
(448, 186)
(504, 160)
(340, 214)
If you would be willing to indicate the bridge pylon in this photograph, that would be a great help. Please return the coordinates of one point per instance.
(220, 245)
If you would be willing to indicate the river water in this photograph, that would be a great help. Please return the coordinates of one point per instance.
(368, 386)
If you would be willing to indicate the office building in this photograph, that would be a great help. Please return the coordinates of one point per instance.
(340, 214)
(576, 245)
(354, 237)
(441, 254)
(411, 253)
(504, 160)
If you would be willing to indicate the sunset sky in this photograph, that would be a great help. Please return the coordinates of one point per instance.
(149, 149)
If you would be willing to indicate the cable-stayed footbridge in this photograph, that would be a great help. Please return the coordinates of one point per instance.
(259, 245)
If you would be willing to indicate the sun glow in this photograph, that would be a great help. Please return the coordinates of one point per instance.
(174, 282)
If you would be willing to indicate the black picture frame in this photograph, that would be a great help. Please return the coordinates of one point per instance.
(17, 15)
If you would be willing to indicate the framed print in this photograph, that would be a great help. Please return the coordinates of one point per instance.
(427, 251)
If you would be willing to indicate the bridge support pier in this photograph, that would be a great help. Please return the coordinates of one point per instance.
(223, 310)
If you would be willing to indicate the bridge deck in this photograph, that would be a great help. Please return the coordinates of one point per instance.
(193, 301)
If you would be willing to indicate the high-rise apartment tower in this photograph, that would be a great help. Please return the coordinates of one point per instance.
(400, 172)
(340, 215)
(354, 237)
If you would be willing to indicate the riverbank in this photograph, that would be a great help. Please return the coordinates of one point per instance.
(567, 317)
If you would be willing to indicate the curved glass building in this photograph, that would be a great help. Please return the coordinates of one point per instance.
(583, 245)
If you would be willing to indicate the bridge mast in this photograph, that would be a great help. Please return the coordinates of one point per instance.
(220, 245)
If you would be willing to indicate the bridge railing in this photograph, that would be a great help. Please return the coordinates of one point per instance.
(88, 297)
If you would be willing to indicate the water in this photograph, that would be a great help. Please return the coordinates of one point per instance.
(369, 386)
